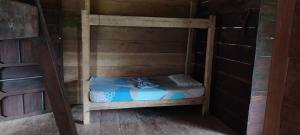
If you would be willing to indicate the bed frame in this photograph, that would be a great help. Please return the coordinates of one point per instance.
(89, 20)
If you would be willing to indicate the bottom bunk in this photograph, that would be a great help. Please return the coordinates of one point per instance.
(137, 92)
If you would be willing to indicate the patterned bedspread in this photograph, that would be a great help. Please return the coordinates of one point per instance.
(125, 89)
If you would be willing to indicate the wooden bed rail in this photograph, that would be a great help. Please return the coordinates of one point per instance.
(137, 21)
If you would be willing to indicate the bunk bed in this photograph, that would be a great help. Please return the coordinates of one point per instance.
(164, 91)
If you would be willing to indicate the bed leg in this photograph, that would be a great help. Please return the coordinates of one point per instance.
(205, 109)
(86, 117)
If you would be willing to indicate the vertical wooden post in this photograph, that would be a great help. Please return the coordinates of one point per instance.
(85, 71)
(87, 6)
(282, 89)
(191, 35)
(44, 53)
(209, 63)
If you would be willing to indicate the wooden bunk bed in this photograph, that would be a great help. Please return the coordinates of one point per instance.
(89, 20)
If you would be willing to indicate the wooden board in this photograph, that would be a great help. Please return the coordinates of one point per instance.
(21, 23)
(141, 104)
(283, 104)
(134, 21)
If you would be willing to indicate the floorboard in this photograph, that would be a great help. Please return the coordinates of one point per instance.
(144, 121)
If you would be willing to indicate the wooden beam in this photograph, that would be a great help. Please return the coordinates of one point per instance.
(54, 88)
(87, 5)
(141, 104)
(85, 65)
(21, 23)
(18, 65)
(134, 21)
(286, 28)
(209, 61)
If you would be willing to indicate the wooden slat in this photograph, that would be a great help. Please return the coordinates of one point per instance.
(134, 21)
(3, 95)
(141, 104)
(21, 23)
(18, 65)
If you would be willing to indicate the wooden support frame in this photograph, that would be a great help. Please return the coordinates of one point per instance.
(89, 20)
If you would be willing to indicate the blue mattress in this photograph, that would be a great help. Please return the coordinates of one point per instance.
(126, 89)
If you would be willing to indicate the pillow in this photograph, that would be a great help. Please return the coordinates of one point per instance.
(184, 80)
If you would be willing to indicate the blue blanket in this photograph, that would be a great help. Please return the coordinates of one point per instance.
(110, 89)
(125, 89)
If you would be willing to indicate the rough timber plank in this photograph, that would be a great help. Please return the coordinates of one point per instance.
(85, 65)
(54, 88)
(133, 21)
(21, 23)
(142, 104)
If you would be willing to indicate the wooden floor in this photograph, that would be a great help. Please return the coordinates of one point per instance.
(150, 121)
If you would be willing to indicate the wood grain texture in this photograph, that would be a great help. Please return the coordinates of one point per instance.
(21, 23)
(235, 42)
(19, 63)
(150, 121)
(88, 20)
(143, 104)
(53, 83)
(158, 22)
(209, 62)
(262, 67)
(276, 108)
(85, 65)
(284, 79)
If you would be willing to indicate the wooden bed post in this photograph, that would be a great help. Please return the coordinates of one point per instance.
(191, 38)
(85, 71)
(208, 63)
(85, 55)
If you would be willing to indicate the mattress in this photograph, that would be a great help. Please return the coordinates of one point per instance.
(125, 89)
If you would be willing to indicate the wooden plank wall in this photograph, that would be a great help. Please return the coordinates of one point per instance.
(123, 51)
(237, 22)
(290, 110)
(262, 66)
(27, 94)
(19, 26)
